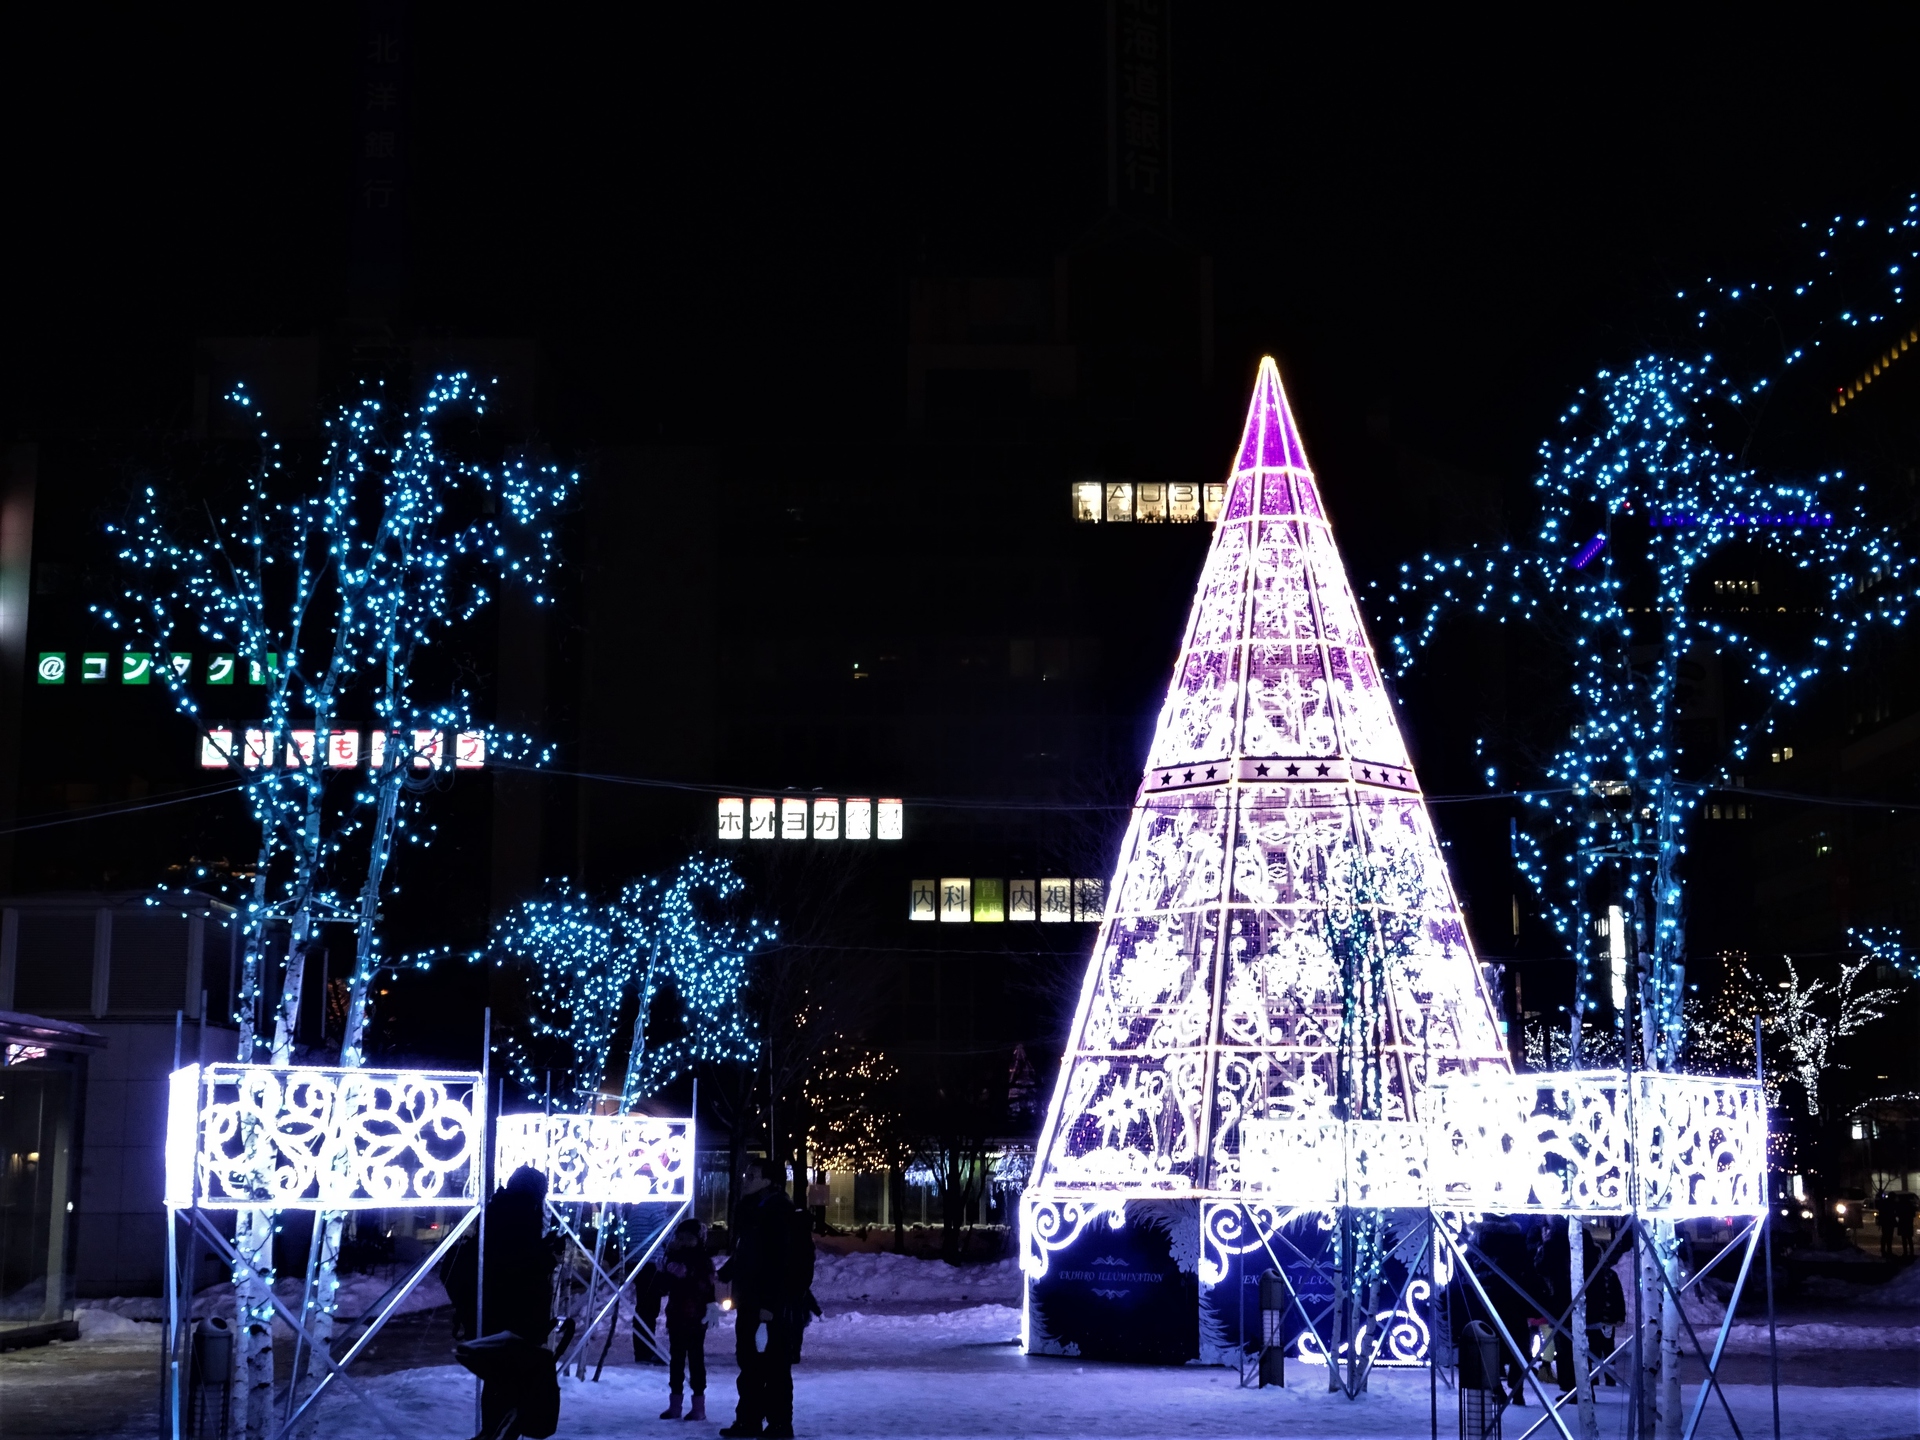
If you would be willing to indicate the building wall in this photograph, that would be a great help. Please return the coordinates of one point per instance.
(120, 1237)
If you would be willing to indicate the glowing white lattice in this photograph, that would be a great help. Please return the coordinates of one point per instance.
(1279, 783)
(290, 1138)
(1328, 1164)
(611, 1159)
(1573, 1144)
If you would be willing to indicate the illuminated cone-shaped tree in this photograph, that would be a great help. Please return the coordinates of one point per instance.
(1278, 821)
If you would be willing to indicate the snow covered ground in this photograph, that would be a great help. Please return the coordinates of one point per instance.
(959, 1374)
(913, 1347)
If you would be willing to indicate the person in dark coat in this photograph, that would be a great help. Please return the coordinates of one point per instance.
(1501, 1244)
(516, 1301)
(686, 1284)
(760, 1271)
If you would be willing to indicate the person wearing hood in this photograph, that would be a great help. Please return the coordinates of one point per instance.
(519, 1394)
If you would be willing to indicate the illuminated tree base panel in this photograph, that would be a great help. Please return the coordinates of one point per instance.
(1166, 1284)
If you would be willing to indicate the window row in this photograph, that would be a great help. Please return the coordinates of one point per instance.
(818, 817)
(1120, 502)
(139, 667)
(261, 749)
(990, 901)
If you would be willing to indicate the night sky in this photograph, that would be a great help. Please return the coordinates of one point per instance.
(1447, 224)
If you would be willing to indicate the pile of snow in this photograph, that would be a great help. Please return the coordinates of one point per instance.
(878, 1275)
(358, 1294)
(1900, 1292)
(1752, 1338)
(102, 1324)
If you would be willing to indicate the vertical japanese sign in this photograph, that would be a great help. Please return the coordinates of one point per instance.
(793, 818)
(378, 273)
(1023, 900)
(923, 900)
(1140, 164)
(989, 901)
(1056, 901)
(762, 823)
(956, 901)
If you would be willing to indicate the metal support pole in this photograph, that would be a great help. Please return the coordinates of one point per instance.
(1766, 1189)
(485, 1162)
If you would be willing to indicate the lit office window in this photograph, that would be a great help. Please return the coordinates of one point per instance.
(923, 901)
(1183, 504)
(956, 901)
(1214, 500)
(761, 824)
(1150, 505)
(1023, 900)
(343, 749)
(1056, 901)
(793, 818)
(826, 819)
(1086, 502)
(989, 902)
(892, 819)
(860, 819)
(733, 817)
(216, 749)
(1119, 502)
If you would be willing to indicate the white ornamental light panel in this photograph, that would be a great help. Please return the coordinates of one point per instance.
(1279, 792)
(600, 1159)
(322, 1138)
(1566, 1143)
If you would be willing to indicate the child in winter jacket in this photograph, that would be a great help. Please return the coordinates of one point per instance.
(687, 1279)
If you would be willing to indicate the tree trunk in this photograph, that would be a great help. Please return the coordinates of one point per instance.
(326, 1284)
(253, 1229)
(897, 1203)
(1577, 1328)
(1672, 1414)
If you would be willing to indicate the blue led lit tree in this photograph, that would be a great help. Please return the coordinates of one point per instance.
(1638, 494)
(330, 585)
(673, 952)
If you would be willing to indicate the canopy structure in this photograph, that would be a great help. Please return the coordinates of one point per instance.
(1282, 941)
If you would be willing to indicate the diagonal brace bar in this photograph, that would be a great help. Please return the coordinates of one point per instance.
(1526, 1366)
(381, 1319)
(234, 1258)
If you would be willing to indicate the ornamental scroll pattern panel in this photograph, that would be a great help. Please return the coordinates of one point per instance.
(1435, 987)
(1328, 1164)
(1545, 1145)
(1175, 855)
(1154, 986)
(611, 1159)
(1565, 1144)
(1703, 1144)
(1128, 1123)
(333, 1139)
(1197, 721)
